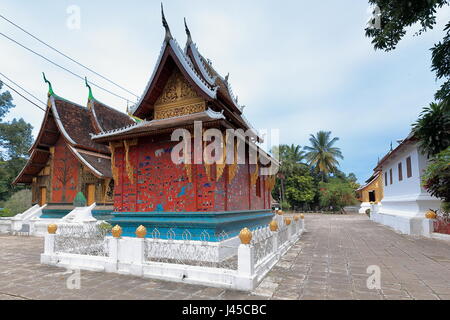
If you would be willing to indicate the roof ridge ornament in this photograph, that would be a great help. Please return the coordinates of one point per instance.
(90, 97)
(50, 89)
(165, 25)
(188, 33)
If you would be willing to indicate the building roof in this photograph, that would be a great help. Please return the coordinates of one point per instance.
(199, 73)
(370, 180)
(106, 118)
(74, 123)
(409, 139)
(148, 127)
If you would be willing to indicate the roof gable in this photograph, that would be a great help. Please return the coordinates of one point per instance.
(171, 57)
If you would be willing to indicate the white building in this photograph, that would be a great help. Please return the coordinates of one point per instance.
(405, 201)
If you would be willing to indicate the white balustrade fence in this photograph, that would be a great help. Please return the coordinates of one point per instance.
(227, 263)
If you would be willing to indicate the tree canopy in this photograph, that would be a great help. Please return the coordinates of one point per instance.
(15, 140)
(396, 16)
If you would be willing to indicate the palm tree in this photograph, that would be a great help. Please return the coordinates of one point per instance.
(321, 154)
(290, 158)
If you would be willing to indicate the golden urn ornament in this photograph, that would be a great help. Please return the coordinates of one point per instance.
(296, 217)
(245, 235)
(141, 231)
(302, 216)
(431, 214)
(287, 221)
(51, 228)
(116, 231)
(273, 225)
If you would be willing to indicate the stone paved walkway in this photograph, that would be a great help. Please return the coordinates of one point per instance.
(329, 262)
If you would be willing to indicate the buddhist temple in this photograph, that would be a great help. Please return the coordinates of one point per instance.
(64, 160)
(152, 190)
(371, 192)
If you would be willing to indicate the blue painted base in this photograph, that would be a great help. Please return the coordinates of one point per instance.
(197, 223)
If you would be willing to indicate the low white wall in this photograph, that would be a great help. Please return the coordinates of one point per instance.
(128, 256)
(403, 223)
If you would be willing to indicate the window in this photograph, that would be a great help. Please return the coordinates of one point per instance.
(390, 176)
(400, 173)
(385, 178)
(408, 167)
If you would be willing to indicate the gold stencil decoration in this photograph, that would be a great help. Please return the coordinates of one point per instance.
(129, 167)
(254, 175)
(207, 166)
(233, 168)
(270, 182)
(220, 167)
(105, 191)
(187, 159)
(114, 169)
(178, 98)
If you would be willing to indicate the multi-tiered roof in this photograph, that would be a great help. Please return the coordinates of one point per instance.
(74, 123)
(221, 105)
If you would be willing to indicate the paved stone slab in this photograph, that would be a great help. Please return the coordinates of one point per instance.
(329, 262)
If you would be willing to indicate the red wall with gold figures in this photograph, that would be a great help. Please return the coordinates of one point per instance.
(65, 174)
(160, 185)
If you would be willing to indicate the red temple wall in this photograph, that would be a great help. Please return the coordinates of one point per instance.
(65, 174)
(161, 185)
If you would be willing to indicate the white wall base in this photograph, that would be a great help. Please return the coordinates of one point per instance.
(364, 206)
(418, 226)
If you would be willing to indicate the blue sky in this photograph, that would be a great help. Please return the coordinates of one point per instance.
(299, 66)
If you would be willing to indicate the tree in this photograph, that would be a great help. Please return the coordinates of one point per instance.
(5, 102)
(336, 194)
(433, 128)
(290, 158)
(436, 178)
(18, 202)
(15, 140)
(300, 190)
(322, 155)
(396, 16)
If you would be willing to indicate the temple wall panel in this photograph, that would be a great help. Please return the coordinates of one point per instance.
(238, 190)
(160, 185)
(65, 174)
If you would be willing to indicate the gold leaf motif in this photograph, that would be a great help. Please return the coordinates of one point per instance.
(233, 168)
(220, 167)
(254, 176)
(176, 89)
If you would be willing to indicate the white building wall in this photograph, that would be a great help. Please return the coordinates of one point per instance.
(405, 202)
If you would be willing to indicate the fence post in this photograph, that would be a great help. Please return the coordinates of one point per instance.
(49, 244)
(246, 254)
(137, 247)
(246, 265)
(113, 248)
